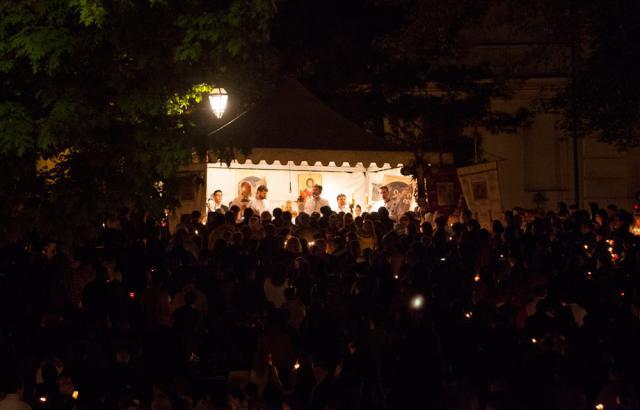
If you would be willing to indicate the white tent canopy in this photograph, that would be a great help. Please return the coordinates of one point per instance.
(294, 136)
(285, 180)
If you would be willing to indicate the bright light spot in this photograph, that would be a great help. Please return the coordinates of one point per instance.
(476, 278)
(586, 246)
(218, 100)
(296, 366)
(468, 315)
(396, 277)
(43, 399)
(132, 295)
(443, 259)
(599, 406)
(75, 394)
(534, 340)
(196, 231)
(417, 302)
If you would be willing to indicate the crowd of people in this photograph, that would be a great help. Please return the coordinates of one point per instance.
(326, 311)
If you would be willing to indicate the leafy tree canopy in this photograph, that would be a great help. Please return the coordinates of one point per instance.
(112, 92)
(598, 39)
(401, 68)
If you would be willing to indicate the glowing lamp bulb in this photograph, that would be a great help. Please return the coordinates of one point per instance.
(417, 302)
(218, 101)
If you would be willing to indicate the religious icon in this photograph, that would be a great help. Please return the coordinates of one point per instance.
(401, 190)
(479, 189)
(444, 193)
(253, 181)
(306, 183)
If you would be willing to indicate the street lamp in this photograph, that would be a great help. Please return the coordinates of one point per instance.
(218, 100)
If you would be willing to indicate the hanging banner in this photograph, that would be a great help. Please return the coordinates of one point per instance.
(443, 190)
(481, 189)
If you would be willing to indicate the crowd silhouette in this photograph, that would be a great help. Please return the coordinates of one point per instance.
(327, 311)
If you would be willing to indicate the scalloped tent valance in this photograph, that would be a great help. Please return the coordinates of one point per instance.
(334, 158)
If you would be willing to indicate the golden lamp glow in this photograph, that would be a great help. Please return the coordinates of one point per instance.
(296, 366)
(599, 406)
(476, 278)
(417, 302)
(75, 394)
(218, 99)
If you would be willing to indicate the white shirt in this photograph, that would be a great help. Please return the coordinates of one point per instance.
(238, 201)
(13, 402)
(344, 209)
(313, 205)
(260, 205)
(391, 206)
(212, 206)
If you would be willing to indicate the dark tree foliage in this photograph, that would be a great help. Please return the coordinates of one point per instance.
(602, 60)
(406, 61)
(402, 69)
(109, 95)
